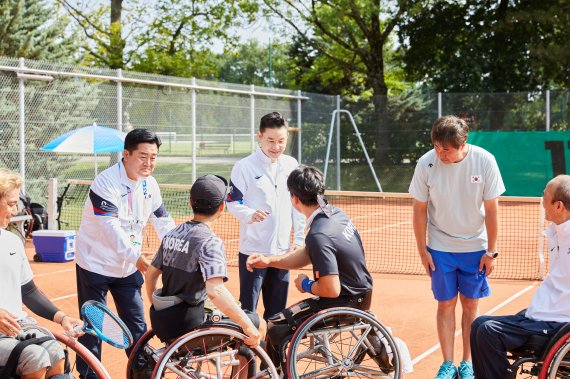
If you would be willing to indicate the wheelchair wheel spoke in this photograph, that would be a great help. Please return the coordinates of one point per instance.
(345, 344)
(213, 353)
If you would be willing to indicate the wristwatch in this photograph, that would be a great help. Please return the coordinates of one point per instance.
(492, 254)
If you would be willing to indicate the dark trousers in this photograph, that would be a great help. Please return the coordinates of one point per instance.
(493, 336)
(273, 284)
(127, 295)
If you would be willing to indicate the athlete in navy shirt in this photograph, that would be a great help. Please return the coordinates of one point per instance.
(334, 248)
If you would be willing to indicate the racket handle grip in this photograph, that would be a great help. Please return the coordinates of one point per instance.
(75, 331)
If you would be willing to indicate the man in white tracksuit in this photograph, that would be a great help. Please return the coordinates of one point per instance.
(121, 200)
(259, 199)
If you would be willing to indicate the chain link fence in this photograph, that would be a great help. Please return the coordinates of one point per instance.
(207, 126)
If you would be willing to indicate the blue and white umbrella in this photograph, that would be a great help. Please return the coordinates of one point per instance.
(91, 139)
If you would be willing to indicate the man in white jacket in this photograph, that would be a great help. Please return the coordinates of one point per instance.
(549, 309)
(259, 199)
(121, 200)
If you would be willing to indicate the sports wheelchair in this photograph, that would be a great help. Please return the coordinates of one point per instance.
(341, 342)
(213, 351)
(543, 356)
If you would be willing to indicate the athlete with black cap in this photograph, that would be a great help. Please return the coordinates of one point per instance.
(192, 261)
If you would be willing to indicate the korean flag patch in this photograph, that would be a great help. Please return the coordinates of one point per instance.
(476, 179)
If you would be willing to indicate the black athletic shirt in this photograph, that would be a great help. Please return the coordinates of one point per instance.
(335, 248)
(189, 255)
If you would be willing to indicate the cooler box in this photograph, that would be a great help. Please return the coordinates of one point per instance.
(54, 245)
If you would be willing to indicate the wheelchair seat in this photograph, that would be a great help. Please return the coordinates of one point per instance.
(535, 346)
(543, 356)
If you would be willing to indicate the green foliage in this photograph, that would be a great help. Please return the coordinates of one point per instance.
(250, 63)
(30, 29)
(180, 38)
(482, 46)
(107, 27)
(346, 46)
(550, 43)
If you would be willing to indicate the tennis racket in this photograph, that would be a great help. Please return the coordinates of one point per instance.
(101, 322)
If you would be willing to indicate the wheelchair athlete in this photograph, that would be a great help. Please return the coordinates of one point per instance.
(192, 261)
(549, 310)
(39, 359)
(334, 248)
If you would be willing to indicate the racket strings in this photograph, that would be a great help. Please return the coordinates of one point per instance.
(107, 325)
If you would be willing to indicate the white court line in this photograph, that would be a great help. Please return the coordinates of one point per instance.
(53, 272)
(490, 312)
(385, 227)
(64, 297)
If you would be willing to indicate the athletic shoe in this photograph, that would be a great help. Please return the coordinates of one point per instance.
(466, 370)
(447, 371)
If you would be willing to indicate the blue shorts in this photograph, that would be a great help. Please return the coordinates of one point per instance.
(458, 272)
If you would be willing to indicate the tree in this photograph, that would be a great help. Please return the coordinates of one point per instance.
(349, 41)
(106, 43)
(30, 29)
(249, 64)
(551, 44)
(33, 30)
(179, 41)
(473, 46)
(482, 46)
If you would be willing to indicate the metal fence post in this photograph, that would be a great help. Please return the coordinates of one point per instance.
(439, 105)
(193, 97)
(299, 133)
(119, 100)
(252, 117)
(338, 179)
(22, 129)
(547, 110)
(52, 204)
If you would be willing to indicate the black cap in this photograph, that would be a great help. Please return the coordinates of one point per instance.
(208, 191)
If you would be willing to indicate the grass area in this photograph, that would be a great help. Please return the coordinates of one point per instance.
(165, 173)
(206, 149)
(354, 177)
(357, 177)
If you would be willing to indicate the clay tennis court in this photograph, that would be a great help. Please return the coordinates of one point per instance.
(404, 303)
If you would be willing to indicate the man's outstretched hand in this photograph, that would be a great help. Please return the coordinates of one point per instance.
(256, 261)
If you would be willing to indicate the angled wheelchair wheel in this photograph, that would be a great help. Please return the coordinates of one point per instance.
(341, 343)
(213, 352)
(557, 361)
(75, 350)
(144, 355)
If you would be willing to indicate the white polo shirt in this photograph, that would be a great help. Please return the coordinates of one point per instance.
(15, 271)
(455, 193)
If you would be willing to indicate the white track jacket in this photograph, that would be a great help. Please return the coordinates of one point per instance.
(116, 211)
(258, 184)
